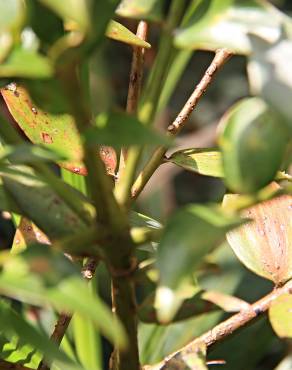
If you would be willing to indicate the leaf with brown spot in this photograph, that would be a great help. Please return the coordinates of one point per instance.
(27, 233)
(55, 131)
(265, 244)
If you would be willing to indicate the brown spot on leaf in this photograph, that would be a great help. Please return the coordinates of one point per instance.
(47, 138)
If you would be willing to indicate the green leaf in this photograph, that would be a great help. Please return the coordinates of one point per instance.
(26, 63)
(119, 129)
(141, 9)
(265, 245)
(12, 15)
(40, 203)
(27, 153)
(190, 360)
(73, 10)
(118, 32)
(16, 352)
(189, 235)
(280, 314)
(253, 140)
(58, 132)
(216, 24)
(190, 307)
(44, 22)
(12, 323)
(270, 74)
(6, 201)
(42, 276)
(203, 161)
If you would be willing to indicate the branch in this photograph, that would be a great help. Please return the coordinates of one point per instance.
(127, 173)
(225, 328)
(5, 365)
(221, 57)
(64, 319)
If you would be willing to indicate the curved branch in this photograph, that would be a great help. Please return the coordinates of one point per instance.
(225, 328)
(221, 57)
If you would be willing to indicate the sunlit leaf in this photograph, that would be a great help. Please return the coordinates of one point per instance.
(280, 314)
(118, 32)
(203, 161)
(190, 307)
(216, 24)
(119, 129)
(12, 14)
(27, 233)
(285, 364)
(189, 235)
(264, 245)
(42, 276)
(253, 140)
(74, 10)
(58, 132)
(26, 63)
(141, 9)
(227, 302)
(270, 74)
(12, 323)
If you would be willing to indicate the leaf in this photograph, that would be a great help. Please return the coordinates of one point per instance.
(285, 364)
(189, 360)
(73, 10)
(27, 233)
(16, 352)
(265, 245)
(118, 32)
(253, 141)
(190, 307)
(141, 9)
(205, 161)
(217, 24)
(189, 235)
(40, 203)
(140, 220)
(280, 314)
(27, 153)
(119, 129)
(227, 302)
(6, 202)
(270, 75)
(42, 276)
(12, 323)
(26, 63)
(58, 132)
(12, 15)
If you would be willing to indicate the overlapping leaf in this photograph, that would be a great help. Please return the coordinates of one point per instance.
(216, 24)
(253, 140)
(264, 245)
(189, 235)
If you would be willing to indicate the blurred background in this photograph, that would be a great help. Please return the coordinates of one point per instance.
(171, 187)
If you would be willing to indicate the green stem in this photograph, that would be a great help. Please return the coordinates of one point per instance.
(119, 251)
(154, 86)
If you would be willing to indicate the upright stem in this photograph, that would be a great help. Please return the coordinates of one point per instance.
(119, 251)
(153, 89)
(221, 56)
(127, 172)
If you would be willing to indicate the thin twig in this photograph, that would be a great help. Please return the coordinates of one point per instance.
(226, 328)
(64, 318)
(126, 175)
(221, 57)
